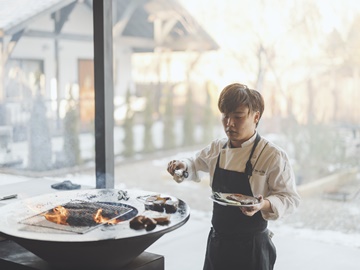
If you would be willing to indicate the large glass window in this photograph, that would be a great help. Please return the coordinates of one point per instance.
(171, 59)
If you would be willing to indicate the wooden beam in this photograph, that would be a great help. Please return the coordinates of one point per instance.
(62, 36)
(125, 17)
(61, 16)
(104, 94)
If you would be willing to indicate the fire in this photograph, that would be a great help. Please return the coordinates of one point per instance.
(58, 215)
(100, 219)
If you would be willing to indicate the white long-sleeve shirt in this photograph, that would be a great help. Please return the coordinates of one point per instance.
(272, 176)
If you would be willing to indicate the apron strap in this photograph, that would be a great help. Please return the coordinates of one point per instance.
(249, 167)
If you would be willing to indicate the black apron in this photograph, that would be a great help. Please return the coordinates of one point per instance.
(237, 241)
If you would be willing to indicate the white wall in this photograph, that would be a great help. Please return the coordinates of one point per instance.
(122, 69)
(80, 22)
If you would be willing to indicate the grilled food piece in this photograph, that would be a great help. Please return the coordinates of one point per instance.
(148, 220)
(171, 206)
(160, 218)
(159, 204)
(243, 199)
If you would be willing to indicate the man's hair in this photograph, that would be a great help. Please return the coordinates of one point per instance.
(236, 94)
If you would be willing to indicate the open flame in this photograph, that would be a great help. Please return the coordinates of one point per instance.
(101, 219)
(60, 215)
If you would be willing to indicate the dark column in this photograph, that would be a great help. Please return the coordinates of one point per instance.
(104, 93)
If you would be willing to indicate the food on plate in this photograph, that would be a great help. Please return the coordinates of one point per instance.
(243, 199)
(159, 204)
(171, 206)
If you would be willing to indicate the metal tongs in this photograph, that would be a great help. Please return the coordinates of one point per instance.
(217, 196)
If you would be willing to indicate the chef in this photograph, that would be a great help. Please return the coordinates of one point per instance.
(242, 163)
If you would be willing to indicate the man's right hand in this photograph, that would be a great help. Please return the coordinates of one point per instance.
(175, 165)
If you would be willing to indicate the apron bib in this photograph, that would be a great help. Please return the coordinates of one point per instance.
(237, 241)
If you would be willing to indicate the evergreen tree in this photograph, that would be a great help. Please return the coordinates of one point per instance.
(169, 122)
(71, 134)
(40, 150)
(189, 125)
(148, 122)
(208, 117)
(128, 140)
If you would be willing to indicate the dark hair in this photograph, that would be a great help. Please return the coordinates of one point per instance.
(236, 94)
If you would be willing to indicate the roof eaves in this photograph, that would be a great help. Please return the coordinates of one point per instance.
(18, 24)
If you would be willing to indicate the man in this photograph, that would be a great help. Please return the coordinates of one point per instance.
(243, 163)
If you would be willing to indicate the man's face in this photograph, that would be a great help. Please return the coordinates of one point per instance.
(240, 125)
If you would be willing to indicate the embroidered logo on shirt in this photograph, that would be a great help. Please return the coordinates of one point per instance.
(261, 172)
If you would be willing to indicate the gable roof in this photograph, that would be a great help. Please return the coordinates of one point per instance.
(15, 15)
(136, 19)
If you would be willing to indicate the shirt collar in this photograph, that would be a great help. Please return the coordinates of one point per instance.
(246, 143)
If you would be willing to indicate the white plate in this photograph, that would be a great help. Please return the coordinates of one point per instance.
(226, 202)
(144, 198)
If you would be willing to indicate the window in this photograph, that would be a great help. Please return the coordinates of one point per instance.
(170, 61)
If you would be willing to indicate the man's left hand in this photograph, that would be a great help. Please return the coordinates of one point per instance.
(252, 210)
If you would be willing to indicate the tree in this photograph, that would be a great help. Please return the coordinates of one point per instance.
(169, 122)
(128, 140)
(188, 124)
(148, 122)
(208, 116)
(71, 134)
(40, 150)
